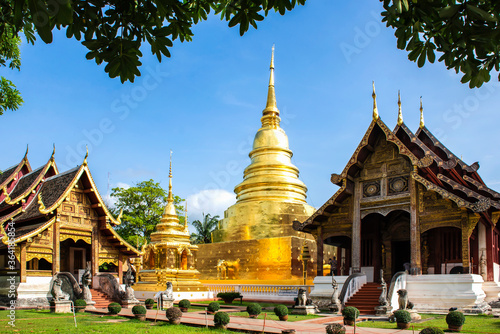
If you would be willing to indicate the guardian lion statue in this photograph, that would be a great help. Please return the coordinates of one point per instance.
(403, 299)
(302, 297)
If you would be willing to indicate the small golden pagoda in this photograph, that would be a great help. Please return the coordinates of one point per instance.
(255, 239)
(169, 257)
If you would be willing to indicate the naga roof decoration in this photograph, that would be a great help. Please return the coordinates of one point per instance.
(434, 166)
(13, 173)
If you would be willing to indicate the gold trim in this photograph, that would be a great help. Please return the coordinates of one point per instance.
(31, 256)
(75, 238)
(105, 260)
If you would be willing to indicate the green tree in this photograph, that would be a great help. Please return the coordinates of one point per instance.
(142, 207)
(10, 98)
(465, 32)
(113, 31)
(204, 229)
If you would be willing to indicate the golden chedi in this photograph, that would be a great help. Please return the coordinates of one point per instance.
(170, 257)
(255, 240)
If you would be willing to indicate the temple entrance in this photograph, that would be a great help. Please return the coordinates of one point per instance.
(401, 256)
(442, 251)
(74, 256)
(340, 262)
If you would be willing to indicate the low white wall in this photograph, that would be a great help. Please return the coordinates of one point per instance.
(36, 291)
(496, 272)
(323, 286)
(369, 272)
(177, 295)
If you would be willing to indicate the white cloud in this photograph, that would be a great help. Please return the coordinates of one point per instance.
(213, 201)
(111, 201)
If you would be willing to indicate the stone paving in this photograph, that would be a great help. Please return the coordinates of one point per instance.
(316, 325)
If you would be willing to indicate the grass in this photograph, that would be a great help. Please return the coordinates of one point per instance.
(34, 321)
(473, 323)
(272, 316)
(237, 303)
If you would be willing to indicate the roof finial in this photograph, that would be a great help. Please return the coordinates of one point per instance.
(186, 215)
(53, 152)
(375, 110)
(26, 154)
(271, 106)
(400, 113)
(86, 156)
(170, 195)
(422, 124)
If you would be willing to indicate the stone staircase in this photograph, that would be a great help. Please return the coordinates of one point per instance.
(366, 299)
(101, 299)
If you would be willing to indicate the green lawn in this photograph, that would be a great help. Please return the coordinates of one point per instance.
(33, 321)
(272, 316)
(237, 303)
(473, 323)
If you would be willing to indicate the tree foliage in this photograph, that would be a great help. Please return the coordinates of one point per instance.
(465, 32)
(10, 98)
(142, 207)
(204, 229)
(113, 31)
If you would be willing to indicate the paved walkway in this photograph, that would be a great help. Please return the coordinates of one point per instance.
(311, 326)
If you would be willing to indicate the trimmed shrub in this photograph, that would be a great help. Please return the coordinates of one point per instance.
(149, 301)
(114, 308)
(350, 313)
(455, 318)
(221, 318)
(335, 329)
(138, 309)
(281, 310)
(431, 330)
(184, 303)
(173, 313)
(254, 309)
(213, 307)
(402, 316)
(80, 303)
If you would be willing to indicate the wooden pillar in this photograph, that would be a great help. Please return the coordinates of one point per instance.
(319, 249)
(22, 260)
(415, 259)
(489, 253)
(56, 251)
(120, 268)
(356, 229)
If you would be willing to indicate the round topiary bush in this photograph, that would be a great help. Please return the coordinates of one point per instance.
(281, 310)
(402, 316)
(335, 329)
(221, 318)
(184, 303)
(350, 313)
(114, 308)
(254, 309)
(80, 305)
(138, 309)
(149, 301)
(455, 318)
(431, 330)
(213, 307)
(173, 313)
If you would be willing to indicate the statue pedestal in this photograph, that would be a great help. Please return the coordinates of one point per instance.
(304, 310)
(90, 304)
(335, 309)
(168, 303)
(414, 315)
(383, 310)
(130, 303)
(61, 306)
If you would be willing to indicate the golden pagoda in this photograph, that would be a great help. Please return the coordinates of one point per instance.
(170, 257)
(255, 239)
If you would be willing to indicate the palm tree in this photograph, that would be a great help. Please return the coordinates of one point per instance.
(205, 229)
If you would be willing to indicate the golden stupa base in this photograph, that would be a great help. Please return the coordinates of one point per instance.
(309, 281)
(156, 280)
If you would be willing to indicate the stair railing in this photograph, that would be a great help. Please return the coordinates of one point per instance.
(352, 284)
(398, 282)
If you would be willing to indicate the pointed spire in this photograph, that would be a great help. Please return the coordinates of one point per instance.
(86, 156)
(53, 152)
(375, 110)
(186, 216)
(422, 123)
(400, 113)
(170, 207)
(271, 106)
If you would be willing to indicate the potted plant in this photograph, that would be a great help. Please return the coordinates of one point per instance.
(403, 319)
(140, 312)
(228, 297)
(335, 329)
(455, 320)
(80, 305)
(213, 307)
(254, 310)
(431, 330)
(282, 312)
(184, 304)
(221, 319)
(350, 314)
(149, 303)
(114, 308)
(174, 315)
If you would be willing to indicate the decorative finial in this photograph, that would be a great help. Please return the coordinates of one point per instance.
(119, 218)
(27, 149)
(186, 215)
(170, 195)
(53, 152)
(400, 113)
(271, 105)
(86, 156)
(375, 110)
(422, 124)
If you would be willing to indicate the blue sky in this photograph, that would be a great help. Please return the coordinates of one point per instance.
(205, 104)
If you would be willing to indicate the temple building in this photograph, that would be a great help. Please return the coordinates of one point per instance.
(54, 222)
(170, 257)
(406, 202)
(255, 239)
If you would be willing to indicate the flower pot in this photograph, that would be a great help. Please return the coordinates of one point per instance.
(403, 325)
(184, 309)
(149, 306)
(284, 318)
(140, 317)
(349, 322)
(228, 300)
(221, 326)
(175, 321)
(80, 309)
(253, 316)
(454, 328)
